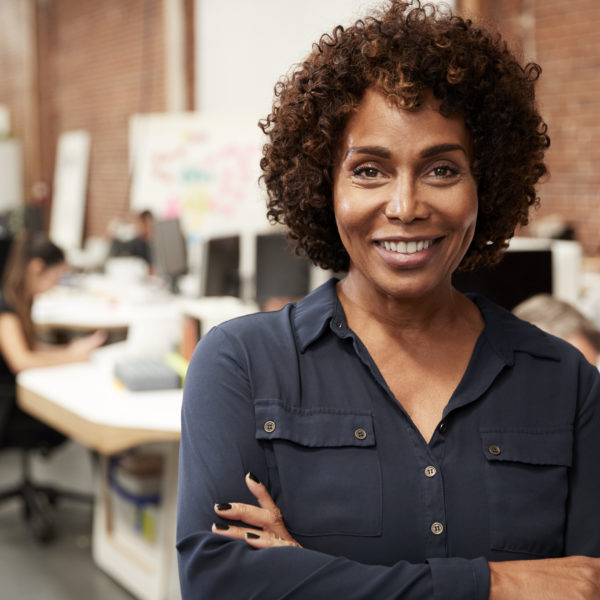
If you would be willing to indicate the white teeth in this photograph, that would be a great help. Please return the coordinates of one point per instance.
(407, 247)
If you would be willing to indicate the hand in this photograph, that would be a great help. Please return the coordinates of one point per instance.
(81, 348)
(572, 577)
(268, 517)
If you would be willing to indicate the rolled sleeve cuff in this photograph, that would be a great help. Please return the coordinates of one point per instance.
(460, 578)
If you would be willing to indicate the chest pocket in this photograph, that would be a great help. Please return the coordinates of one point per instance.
(527, 486)
(325, 468)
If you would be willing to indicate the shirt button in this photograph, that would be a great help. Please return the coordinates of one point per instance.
(430, 471)
(269, 426)
(437, 528)
(339, 324)
(494, 450)
(360, 433)
(443, 427)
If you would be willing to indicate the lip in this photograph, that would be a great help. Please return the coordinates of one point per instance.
(413, 260)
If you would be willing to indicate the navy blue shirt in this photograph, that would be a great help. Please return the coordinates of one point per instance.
(510, 473)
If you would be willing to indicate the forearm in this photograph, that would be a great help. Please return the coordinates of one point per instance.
(230, 569)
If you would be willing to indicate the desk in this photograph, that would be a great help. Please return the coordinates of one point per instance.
(82, 401)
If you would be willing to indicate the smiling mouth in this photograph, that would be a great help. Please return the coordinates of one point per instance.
(407, 247)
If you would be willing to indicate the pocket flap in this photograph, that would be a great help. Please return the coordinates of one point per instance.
(313, 427)
(537, 447)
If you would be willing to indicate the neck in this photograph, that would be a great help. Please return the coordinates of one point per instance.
(439, 310)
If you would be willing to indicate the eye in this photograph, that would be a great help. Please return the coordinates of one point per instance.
(444, 171)
(365, 171)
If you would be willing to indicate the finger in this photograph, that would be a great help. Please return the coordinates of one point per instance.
(276, 524)
(260, 492)
(253, 537)
(268, 519)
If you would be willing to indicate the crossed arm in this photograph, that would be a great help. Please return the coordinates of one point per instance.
(573, 577)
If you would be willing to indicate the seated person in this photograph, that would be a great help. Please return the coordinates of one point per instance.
(562, 320)
(34, 266)
(140, 244)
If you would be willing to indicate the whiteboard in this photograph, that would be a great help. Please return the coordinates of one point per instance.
(70, 186)
(201, 169)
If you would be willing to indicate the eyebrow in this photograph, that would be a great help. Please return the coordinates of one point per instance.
(383, 152)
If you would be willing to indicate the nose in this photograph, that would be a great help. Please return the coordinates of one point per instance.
(405, 203)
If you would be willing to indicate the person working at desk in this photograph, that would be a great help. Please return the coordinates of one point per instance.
(387, 437)
(34, 266)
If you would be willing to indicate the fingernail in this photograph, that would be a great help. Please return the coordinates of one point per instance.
(223, 506)
(221, 526)
(252, 536)
(254, 477)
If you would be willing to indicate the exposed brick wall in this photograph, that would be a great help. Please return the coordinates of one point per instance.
(568, 47)
(563, 37)
(99, 63)
(18, 89)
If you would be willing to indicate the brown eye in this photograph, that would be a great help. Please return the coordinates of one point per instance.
(368, 172)
(444, 171)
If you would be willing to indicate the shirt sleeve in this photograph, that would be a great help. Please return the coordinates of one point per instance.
(582, 535)
(218, 447)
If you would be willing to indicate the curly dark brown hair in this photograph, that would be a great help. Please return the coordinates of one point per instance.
(405, 51)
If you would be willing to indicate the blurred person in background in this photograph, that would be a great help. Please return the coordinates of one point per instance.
(34, 266)
(562, 320)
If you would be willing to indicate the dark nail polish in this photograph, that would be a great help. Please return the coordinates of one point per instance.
(254, 477)
(221, 526)
(223, 506)
(252, 536)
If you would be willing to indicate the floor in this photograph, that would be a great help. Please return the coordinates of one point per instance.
(63, 569)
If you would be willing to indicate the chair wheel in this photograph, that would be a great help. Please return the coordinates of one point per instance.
(39, 516)
(42, 527)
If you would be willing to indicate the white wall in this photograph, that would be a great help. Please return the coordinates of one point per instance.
(244, 46)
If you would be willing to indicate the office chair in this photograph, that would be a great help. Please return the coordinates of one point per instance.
(21, 432)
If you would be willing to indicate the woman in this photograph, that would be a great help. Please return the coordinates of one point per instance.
(414, 442)
(35, 265)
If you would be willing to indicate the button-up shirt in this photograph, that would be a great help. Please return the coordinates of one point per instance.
(511, 471)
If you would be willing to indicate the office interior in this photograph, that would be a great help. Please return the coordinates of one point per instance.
(109, 109)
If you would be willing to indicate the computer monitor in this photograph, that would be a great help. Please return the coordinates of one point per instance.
(530, 266)
(169, 250)
(221, 267)
(279, 272)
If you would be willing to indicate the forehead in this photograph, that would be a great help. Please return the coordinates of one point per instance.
(376, 121)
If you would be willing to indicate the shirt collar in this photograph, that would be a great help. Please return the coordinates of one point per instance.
(314, 312)
(505, 333)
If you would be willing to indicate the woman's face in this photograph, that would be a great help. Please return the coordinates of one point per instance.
(42, 277)
(405, 200)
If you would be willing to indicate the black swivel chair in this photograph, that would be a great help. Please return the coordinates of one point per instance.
(26, 435)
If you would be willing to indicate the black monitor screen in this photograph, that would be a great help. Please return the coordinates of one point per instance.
(518, 276)
(222, 265)
(279, 272)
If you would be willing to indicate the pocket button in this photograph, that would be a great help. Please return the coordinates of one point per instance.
(269, 426)
(494, 449)
(360, 434)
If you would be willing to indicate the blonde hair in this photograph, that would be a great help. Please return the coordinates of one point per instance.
(557, 317)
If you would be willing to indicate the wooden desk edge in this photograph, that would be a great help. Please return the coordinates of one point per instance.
(106, 439)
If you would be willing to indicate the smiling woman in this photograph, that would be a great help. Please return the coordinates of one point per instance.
(387, 436)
